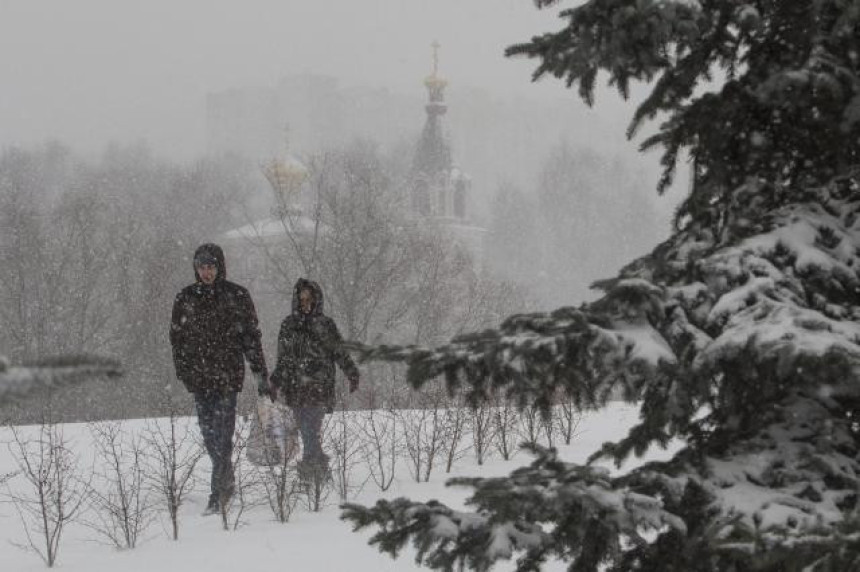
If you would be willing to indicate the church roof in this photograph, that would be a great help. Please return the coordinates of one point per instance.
(433, 153)
(271, 227)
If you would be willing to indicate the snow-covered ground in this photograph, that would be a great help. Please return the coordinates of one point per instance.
(309, 541)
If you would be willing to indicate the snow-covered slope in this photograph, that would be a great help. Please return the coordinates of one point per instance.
(309, 541)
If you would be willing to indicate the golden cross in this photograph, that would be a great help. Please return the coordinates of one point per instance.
(287, 137)
(435, 45)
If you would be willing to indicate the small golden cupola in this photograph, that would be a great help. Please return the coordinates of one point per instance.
(286, 175)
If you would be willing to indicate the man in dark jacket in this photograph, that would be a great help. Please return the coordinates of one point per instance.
(213, 330)
(309, 345)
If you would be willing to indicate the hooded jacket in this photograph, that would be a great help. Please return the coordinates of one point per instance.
(309, 346)
(213, 330)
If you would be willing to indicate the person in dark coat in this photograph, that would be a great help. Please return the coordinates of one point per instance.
(213, 331)
(309, 346)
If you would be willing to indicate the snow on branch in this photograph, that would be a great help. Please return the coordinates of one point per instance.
(17, 382)
(738, 336)
(531, 357)
(506, 522)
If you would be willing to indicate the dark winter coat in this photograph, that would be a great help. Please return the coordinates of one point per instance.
(309, 345)
(213, 330)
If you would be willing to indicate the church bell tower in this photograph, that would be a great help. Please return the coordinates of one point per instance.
(438, 188)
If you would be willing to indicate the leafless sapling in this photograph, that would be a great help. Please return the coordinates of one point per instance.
(567, 418)
(340, 435)
(122, 506)
(54, 492)
(173, 454)
(456, 424)
(245, 481)
(435, 402)
(413, 421)
(505, 425)
(530, 425)
(378, 435)
(483, 429)
(278, 475)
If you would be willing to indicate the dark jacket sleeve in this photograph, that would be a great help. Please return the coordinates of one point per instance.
(339, 353)
(285, 365)
(178, 343)
(251, 337)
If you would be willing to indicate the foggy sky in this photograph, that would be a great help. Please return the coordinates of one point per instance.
(91, 71)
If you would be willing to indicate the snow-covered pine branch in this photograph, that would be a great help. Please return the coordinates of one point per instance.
(742, 341)
(529, 354)
(582, 503)
(20, 381)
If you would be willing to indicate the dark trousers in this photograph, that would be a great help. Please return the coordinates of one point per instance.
(310, 420)
(216, 413)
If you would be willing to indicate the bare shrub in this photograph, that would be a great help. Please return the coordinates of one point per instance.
(278, 476)
(377, 431)
(54, 494)
(316, 490)
(567, 419)
(483, 430)
(505, 418)
(456, 420)
(423, 430)
(547, 423)
(121, 504)
(435, 402)
(530, 425)
(172, 456)
(246, 482)
(340, 436)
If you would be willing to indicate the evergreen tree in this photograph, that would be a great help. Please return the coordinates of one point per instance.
(739, 335)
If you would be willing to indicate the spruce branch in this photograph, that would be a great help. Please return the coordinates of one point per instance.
(548, 508)
(18, 382)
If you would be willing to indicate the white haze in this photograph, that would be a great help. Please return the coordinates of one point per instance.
(91, 71)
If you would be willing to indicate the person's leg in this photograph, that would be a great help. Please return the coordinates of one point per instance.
(314, 464)
(225, 425)
(315, 421)
(309, 420)
(206, 418)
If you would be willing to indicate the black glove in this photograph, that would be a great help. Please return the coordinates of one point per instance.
(263, 386)
(353, 384)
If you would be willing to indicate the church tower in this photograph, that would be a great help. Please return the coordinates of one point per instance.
(439, 190)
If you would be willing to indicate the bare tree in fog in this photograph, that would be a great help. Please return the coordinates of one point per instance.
(587, 215)
(90, 255)
(54, 491)
(514, 248)
(345, 218)
(594, 216)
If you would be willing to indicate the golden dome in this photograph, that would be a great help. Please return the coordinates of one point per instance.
(285, 174)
